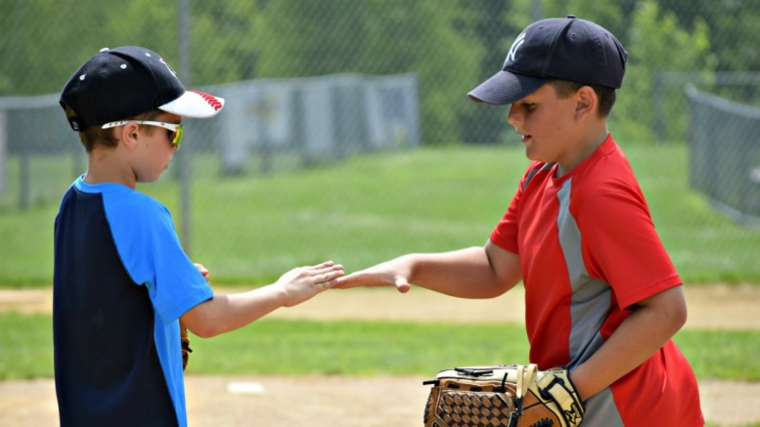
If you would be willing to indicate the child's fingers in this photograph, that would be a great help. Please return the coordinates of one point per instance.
(328, 273)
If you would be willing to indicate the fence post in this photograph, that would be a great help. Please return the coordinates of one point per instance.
(536, 10)
(3, 144)
(658, 91)
(25, 179)
(185, 158)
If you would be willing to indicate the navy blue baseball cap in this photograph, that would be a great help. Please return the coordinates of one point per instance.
(569, 48)
(116, 84)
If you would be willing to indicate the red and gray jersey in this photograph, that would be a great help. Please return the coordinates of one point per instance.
(588, 252)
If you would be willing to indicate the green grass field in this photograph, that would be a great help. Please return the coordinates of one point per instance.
(299, 347)
(365, 209)
(250, 229)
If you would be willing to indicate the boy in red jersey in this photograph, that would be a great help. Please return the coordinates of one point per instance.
(603, 298)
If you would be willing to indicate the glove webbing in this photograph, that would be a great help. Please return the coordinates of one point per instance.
(525, 377)
(554, 388)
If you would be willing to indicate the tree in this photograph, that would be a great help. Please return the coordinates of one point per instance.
(377, 37)
(656, 43)
(486, 23)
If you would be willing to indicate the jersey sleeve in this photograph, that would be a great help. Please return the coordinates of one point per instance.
(150, 250)
(621, 246)
(505, 233)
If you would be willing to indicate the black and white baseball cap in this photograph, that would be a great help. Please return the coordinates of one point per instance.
(569, 48)
(119, 83)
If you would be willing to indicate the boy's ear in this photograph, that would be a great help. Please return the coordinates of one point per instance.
(129, 134)
(587, 102)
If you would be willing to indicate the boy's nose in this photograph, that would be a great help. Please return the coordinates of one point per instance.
(512, 116)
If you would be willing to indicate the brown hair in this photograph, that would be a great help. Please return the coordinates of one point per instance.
(96, 135)
(606, 95)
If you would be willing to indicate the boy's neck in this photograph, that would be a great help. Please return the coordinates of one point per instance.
(586, 148)
(104, 167)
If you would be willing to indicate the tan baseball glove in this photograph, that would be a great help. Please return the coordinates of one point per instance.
(504, 395)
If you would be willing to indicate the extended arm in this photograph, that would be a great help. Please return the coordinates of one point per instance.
(224, 313)
(477, 272)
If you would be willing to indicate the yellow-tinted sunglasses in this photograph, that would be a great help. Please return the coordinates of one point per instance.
(176, 130)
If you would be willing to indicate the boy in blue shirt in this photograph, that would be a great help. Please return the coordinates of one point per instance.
(122, 282)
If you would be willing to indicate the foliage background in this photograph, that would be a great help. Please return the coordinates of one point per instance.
(451, 44)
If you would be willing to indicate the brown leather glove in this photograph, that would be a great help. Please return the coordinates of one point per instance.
(186, 350)
(504, 395)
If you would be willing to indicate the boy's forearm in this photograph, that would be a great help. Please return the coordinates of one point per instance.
(225, 313)
(640, 335)
(465, 273)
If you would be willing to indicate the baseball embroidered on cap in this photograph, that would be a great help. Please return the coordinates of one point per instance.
(194, 104)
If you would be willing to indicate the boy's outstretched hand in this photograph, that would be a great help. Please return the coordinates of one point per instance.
(302, 283)
(392, 273)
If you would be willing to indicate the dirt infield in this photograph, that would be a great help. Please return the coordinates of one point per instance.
(378, 401)
(716, 306)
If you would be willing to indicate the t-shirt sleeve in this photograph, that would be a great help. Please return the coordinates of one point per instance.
(621, 246)
(150, 251)
(505, 233)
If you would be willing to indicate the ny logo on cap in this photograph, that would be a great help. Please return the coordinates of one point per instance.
(513, 50)
(168, 66)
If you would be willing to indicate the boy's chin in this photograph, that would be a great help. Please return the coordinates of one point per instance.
(533, 156)
(147, 180)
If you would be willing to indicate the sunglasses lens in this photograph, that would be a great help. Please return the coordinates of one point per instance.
(176, 136)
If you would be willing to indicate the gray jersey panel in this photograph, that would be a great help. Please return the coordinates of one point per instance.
(589, 307)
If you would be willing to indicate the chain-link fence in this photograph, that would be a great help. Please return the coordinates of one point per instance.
(725, 154)
(313, 84)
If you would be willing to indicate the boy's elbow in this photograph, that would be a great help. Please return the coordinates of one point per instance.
(681, 316)
(677, 311)
(203, 320)
(205, 331)
(667, 309)
(498, 289)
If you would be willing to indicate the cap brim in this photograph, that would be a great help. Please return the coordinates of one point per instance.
(505, 88)
(194, 104)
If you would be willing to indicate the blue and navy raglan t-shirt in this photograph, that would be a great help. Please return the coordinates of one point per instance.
(121, 282)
